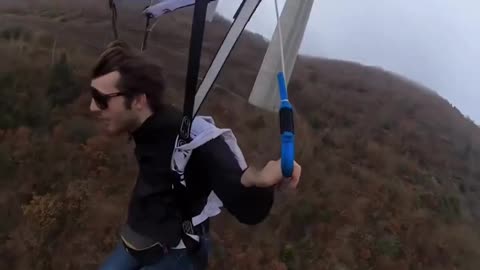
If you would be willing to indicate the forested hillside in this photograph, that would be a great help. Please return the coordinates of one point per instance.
(389, 168)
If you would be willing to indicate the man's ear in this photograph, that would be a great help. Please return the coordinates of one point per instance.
(140, 102)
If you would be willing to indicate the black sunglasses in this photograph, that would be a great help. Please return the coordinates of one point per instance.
(102, 99)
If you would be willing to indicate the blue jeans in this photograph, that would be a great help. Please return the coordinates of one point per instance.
(179, 259)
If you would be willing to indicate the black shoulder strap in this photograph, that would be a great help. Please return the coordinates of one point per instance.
(113, 8)
(196, 41)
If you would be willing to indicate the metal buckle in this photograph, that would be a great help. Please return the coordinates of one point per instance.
(187, 226)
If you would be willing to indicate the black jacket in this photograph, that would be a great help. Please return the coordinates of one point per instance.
(153, 209)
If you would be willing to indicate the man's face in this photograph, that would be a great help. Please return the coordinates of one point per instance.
(110, 105)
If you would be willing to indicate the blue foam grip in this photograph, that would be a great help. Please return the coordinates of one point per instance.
(288, 153)
(286, 129)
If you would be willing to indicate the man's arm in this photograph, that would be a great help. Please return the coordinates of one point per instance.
(249, 176)
(248, 203)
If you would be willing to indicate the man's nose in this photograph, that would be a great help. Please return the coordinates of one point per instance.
(93, 106)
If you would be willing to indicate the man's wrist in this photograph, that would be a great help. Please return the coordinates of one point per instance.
(249, 176)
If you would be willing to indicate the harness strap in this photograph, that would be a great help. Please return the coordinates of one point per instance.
(196, 41)
(189, 110)
(147, 31)
(149, 17)
(189, 237)
(113, 8)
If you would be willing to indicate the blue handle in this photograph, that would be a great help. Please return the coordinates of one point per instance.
(286, 128)
(288, 153)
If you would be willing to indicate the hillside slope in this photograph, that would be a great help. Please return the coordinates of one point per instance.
(389, 178)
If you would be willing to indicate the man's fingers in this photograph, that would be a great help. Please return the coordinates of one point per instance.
(297, 171)
(293, 183)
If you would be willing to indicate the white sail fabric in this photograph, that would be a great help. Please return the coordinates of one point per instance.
(167, 6)
(212, 8)
(246, 11)
(293, 21)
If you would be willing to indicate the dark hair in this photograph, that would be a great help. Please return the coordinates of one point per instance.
(138, 75)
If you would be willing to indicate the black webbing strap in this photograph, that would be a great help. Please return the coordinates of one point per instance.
(147, 31)
(196, 41)
(113, 8)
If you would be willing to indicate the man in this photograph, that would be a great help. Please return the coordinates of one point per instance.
(127, 94)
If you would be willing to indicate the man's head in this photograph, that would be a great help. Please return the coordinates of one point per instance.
(126, 88)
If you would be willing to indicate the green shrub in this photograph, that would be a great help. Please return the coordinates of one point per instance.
(63, 88)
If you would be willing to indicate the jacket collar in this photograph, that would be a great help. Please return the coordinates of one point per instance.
(159, 122)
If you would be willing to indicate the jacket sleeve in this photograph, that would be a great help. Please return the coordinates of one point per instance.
(249, 205)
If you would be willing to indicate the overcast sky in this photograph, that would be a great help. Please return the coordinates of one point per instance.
(434, 42)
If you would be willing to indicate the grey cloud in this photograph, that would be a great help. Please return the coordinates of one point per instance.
(433, 42)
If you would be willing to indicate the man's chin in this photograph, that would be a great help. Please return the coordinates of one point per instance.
(114, 131)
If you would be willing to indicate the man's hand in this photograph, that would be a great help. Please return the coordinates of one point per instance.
(271, 175)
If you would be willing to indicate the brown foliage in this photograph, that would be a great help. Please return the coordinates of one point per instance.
(389, 178)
